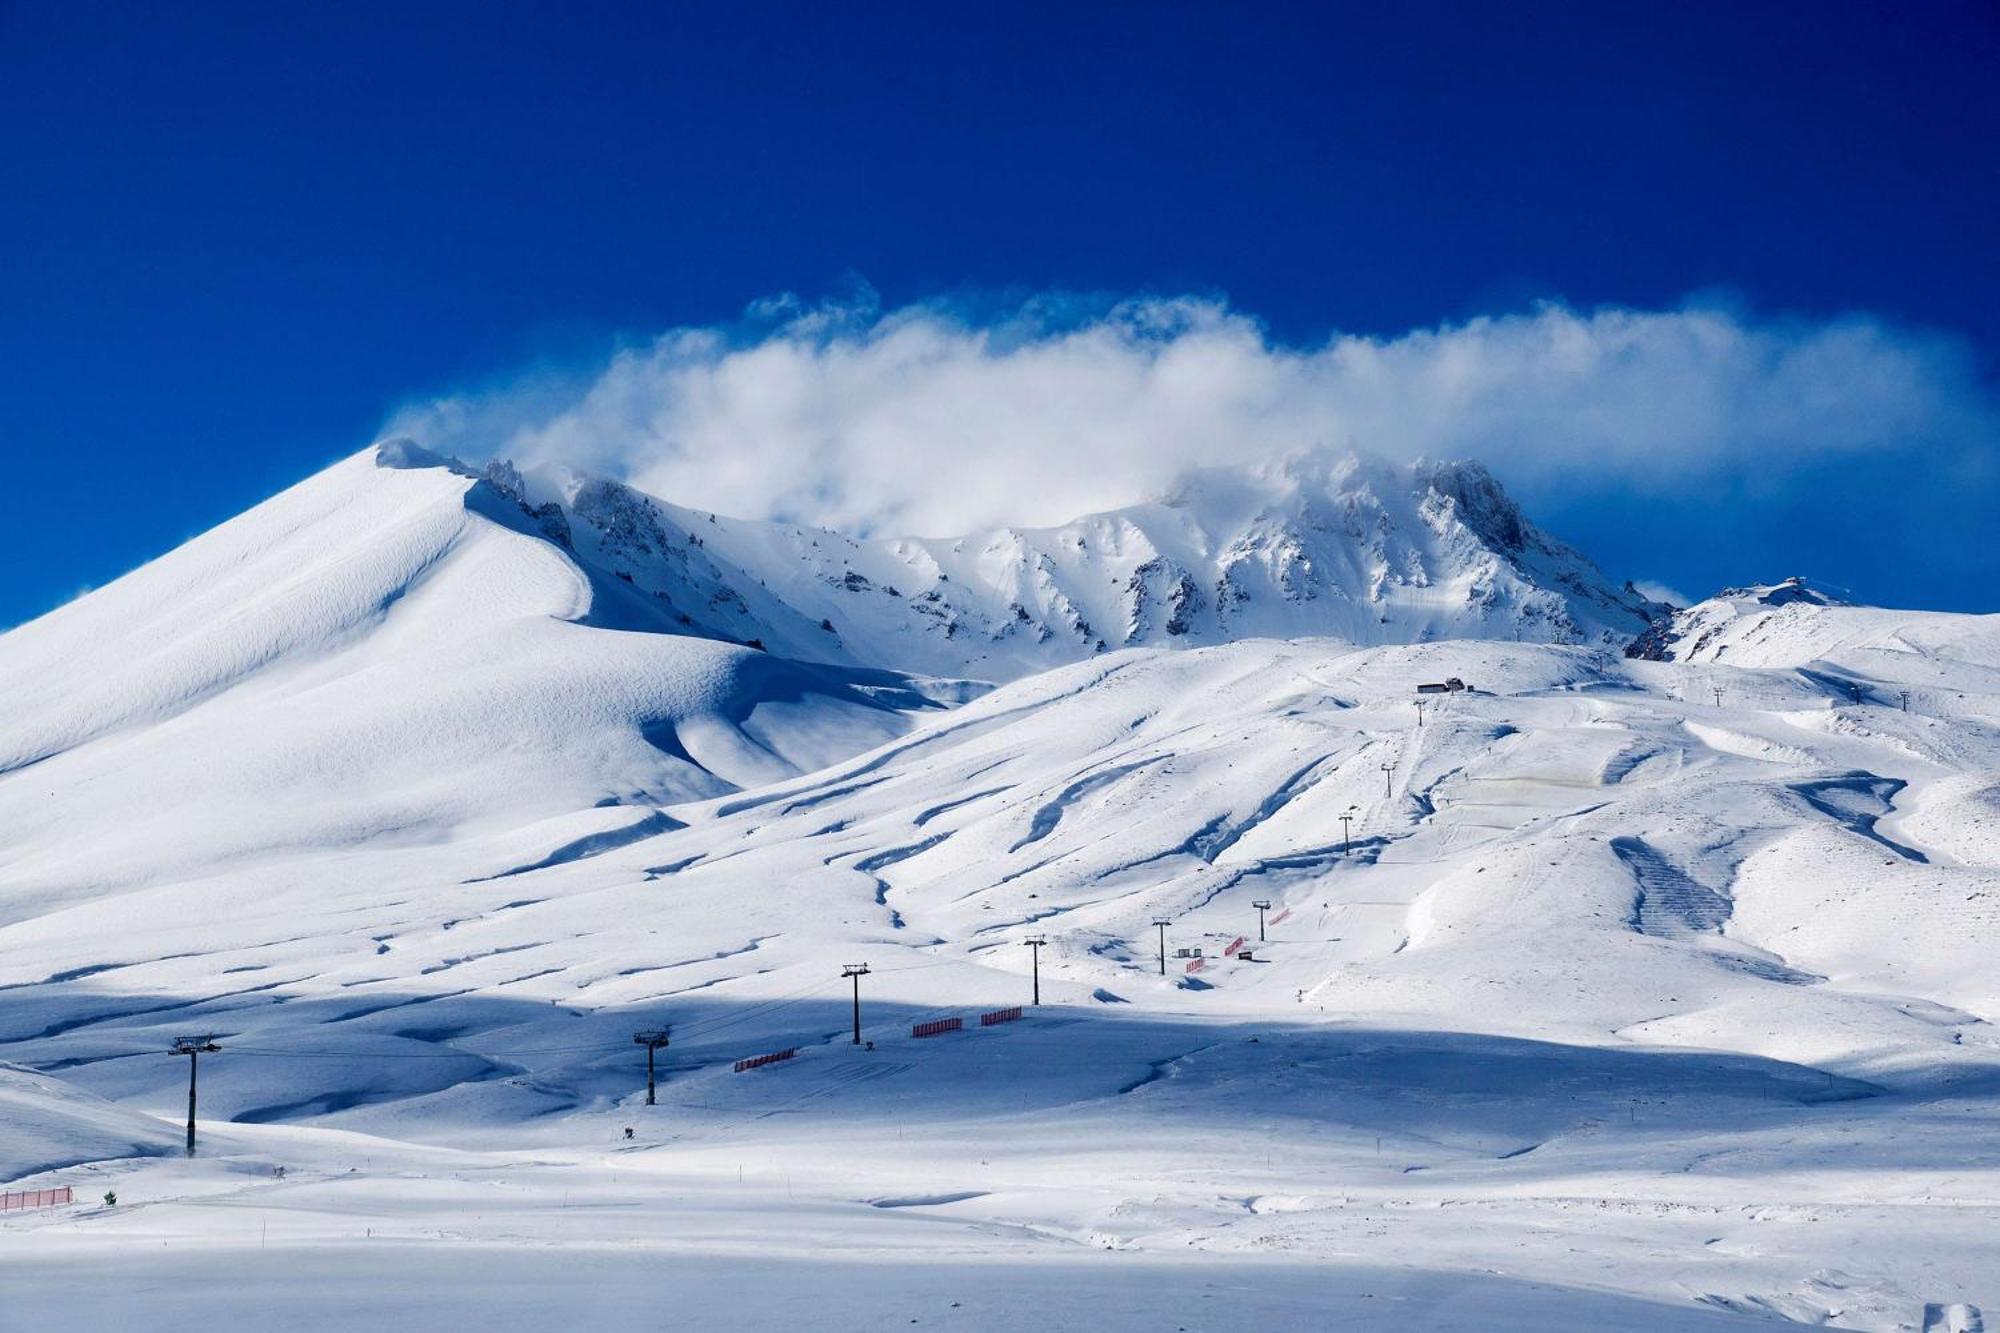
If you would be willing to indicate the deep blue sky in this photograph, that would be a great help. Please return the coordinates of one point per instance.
(231, 238)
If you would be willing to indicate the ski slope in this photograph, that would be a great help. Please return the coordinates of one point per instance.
(1633, 993)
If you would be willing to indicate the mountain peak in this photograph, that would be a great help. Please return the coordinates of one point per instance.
(1313, 543)
(1481, 502)
(1785, 592)
(401, 453)
(1739, 617)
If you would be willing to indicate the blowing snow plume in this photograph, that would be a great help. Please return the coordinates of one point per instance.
(929, 420)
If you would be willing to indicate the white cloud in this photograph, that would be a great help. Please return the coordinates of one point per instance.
(927, 421)
(1654, 590)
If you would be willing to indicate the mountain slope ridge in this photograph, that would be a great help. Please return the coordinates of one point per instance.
(1314, 544)
(375, 623)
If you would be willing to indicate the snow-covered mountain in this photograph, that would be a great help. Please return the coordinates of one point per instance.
(464, 652)
(1316, 544)
(384, 651)
(424, 787)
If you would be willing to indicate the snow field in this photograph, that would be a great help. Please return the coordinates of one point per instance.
(1632, 995)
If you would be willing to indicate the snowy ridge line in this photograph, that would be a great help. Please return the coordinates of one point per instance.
(698, 1028)
(1318, 543)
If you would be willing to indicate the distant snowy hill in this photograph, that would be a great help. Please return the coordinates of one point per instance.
(1346, 547)
(1795, 624)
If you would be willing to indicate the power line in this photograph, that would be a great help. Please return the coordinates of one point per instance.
(760, 1009)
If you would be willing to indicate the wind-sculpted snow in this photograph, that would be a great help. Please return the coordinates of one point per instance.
(368, 660)
(1558, 853)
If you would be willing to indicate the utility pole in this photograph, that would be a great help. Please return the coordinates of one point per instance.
(1388, 787)
(192, 1048)
(1162, 923)
(1262, 905)
(1420, 712)
(856, 971)
(1905, 696)
(1716, 690)
(1036, 942)
(1345, 836)
(652, 1041)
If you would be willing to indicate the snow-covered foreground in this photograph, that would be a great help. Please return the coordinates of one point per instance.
(1606, 994)
(851, 1201)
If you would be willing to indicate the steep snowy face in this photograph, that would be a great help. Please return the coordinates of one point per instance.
(1315, 544)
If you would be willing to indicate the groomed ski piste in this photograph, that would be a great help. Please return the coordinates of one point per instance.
(1602, 994)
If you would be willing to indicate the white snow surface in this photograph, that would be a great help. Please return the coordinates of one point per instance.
(373, 633)
(1633, 994)
(49, 1124)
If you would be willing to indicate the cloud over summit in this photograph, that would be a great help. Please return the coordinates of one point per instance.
(932, 420)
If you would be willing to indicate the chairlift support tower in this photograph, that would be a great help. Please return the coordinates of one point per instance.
(856, 971)
(193, 1048)
(652, 1041)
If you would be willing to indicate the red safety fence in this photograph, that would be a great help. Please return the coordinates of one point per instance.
(1281, 916)
(16, 1199)
(1195, 965)
(935, 1026)
(759, 1061)
(1232, 946)
(1000, 1016)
